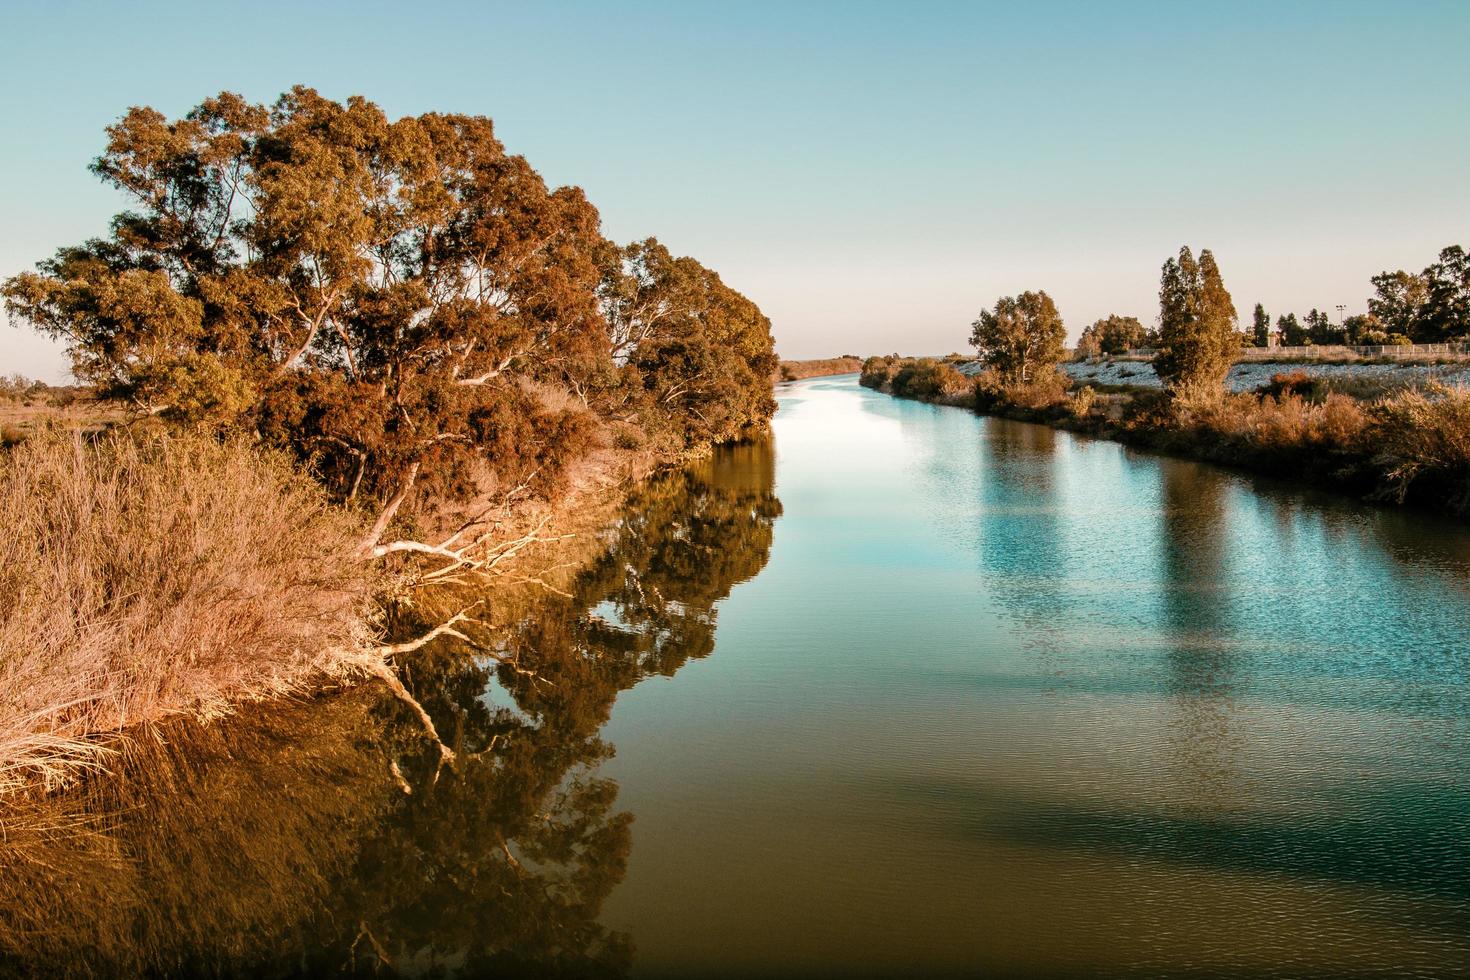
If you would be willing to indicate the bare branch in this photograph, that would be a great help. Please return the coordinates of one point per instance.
(392, 508)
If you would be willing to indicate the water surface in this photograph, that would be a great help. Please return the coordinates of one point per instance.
(1009, 700)
(903, 690)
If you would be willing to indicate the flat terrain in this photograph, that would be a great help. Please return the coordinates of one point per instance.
(1250, 375)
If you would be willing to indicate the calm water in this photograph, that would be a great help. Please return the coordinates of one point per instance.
(909, 691)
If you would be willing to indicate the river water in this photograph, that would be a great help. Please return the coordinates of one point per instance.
(904, 691)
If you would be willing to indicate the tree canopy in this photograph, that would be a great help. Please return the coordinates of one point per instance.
(1197, 338)
(404, 304)
(1430, 307)
(1113, 335)
(1020, 336)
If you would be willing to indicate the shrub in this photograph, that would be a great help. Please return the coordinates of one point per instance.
(927, 380)
(141, 579)
(877, 371)
(1298, 383)
(1045, 390)
(1423, 437)
(628, 437)
(1081, 401)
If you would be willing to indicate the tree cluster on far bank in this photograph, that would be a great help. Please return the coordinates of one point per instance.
(1429, 307)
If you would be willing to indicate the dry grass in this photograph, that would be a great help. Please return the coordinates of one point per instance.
(140, 579)
(1287, 422)
(1424, 437)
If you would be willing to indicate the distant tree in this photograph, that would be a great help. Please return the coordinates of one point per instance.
(1365, 329)
(1321, 330)
(1260, 327)
(1197, 338)
(1398, 301)
(1293, 334)
(1021, 336)
(1445, 314)
(1113, 335)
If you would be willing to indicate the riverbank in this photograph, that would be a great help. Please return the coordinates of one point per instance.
(150, 576)
(1408, 444)
(821, 368)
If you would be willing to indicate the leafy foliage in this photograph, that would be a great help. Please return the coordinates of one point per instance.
(392, 300)
(1260, 327)
(1430, 307)
(1020, 336)
(1197, 338)
(1113, 335)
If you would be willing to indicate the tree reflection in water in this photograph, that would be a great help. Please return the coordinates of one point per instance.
(279, 843)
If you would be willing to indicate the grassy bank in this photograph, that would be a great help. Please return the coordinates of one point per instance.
(1405, 445)
(141, 578)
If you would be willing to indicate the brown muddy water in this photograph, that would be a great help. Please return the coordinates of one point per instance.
(903, 692)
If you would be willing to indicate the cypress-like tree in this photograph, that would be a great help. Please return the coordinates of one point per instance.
(1261, 327)
(1197, 339)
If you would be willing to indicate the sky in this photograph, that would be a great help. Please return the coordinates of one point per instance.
(871, 174)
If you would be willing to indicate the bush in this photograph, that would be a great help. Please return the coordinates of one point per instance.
(1298, 383)
(142, 579)
(1046, 390)
(1081, 401)
(1423, 438)
(928, 380)
(877, 371)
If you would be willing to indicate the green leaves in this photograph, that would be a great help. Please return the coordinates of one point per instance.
(1020, 337)
(1197, 338)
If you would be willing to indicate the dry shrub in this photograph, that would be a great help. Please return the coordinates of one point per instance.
(1284, 423)
(1298, 383)
(1046, 390)
(1080, 404)
(1424, 436)
(145, 578)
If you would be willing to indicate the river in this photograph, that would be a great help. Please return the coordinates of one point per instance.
(902, 691)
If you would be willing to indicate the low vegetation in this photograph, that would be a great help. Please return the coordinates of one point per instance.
(141, 578)
(1381, 439)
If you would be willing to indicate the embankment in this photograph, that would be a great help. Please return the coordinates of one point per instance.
(799, 370)
(1408, 444)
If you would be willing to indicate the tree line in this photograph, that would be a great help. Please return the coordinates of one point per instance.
(1429, 307)
(1022, 338)
(405, 306)
(1196, 336)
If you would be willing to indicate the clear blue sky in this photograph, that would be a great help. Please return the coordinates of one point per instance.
(872, 174)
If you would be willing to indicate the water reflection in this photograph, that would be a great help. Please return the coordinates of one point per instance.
(322, 837)
(1022, 542)
(1201, 655)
